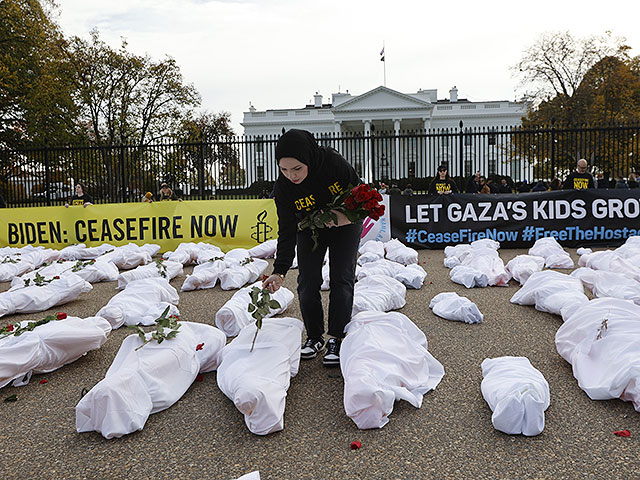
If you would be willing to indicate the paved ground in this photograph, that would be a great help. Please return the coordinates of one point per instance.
(203, 436)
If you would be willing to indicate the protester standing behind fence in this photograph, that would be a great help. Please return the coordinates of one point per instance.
(310, 177)
(80, 197)
(580, 179)
(166, 194)
(443, 184)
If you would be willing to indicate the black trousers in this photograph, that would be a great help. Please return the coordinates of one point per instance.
(342, 243)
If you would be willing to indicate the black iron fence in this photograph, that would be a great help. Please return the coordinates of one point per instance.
(245, 167)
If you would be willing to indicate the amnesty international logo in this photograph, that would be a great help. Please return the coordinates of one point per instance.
(261, 228)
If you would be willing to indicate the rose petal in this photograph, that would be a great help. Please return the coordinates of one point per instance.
(199, 346)
(43, 381)
(199, 378)
(356, 445)
(622, 433)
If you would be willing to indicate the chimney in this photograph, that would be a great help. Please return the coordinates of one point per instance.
(317, 100)
(453, 94)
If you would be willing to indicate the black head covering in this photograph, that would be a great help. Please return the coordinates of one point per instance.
(300, 145)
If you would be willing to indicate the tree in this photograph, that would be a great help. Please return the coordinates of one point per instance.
(555, 65)
(36, 102)
(608, 94)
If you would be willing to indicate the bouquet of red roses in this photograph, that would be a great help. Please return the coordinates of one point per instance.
(355, 203)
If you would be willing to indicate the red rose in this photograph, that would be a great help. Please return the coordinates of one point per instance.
(370, 204)
(57, 277)
(377, 196)
(9, 328)
(622, 433)
(43, 381)
(356, 445)
(350, 203)
(360, 193)
(61, 315)
(199, 346)
(176, 317)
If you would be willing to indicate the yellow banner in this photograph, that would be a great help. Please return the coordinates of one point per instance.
(225, 223)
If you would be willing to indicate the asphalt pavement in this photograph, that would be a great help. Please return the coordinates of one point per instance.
(203, 436)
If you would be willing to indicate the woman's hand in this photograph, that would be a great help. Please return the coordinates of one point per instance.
(342, 220)
(273, 283)
(86, 204)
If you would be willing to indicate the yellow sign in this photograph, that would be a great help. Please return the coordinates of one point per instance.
(225, 223)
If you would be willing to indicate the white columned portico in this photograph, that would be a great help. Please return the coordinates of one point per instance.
(396, 131)
(367, 150)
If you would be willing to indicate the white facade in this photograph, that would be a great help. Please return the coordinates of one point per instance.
(381, 110)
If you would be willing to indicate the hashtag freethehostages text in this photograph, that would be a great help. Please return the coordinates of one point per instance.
(528, 233)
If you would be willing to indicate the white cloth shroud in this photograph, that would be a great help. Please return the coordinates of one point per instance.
(189, 253)
(468, 276)
(149, 380)
(12, 266)
(411, 276)
(131, 255)
(379, 293)
(522, 267)
(21, 299)
(99, 271)
(161, 268)
(384, 358)
(603, 283)
(234, 314)
(458, 252)
(370, 251)
(488, 261)
(551, 292)
(451, 306)
(36, 256)
(141, 302)
(48, 347)
(265, 249)
(237, 275)
(552, 252)
(396, 251)
(517, 394)
(204, 275)
(601, 341)
(82, 252)
(257, 381)
(614, 261)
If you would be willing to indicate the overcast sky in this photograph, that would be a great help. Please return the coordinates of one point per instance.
(278, 53)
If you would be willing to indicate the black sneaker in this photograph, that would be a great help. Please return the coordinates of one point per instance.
(311, 348)
(332, 355)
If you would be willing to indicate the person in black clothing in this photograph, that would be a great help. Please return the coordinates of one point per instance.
(310, 177)
(80, 197)
(473, 184)
(523, 187)
(442, 184)
(539, 187)
(394, 190)
(504, 186)
(580, 179)
(555, 184)
(3, 203)
(165, 194)
(408, 191)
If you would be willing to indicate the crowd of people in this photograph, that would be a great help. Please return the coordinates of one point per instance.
(579, 179)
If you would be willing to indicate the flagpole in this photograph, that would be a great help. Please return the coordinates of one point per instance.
(384, 61)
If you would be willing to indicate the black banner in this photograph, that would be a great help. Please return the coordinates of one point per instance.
(575, 218)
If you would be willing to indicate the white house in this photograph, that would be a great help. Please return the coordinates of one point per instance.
(382, 121)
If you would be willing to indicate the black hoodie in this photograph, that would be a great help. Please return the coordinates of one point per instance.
(329, 175)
